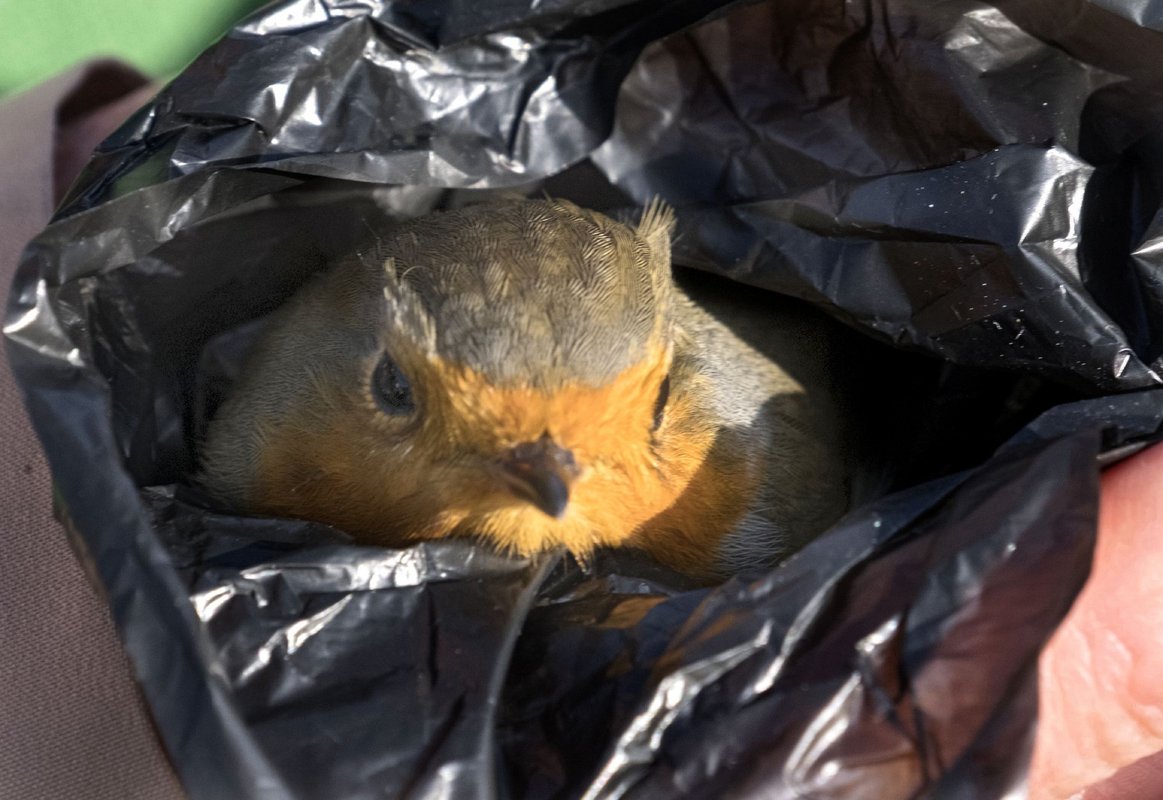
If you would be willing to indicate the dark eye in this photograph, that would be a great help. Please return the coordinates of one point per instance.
(391, 388)
(660, 403)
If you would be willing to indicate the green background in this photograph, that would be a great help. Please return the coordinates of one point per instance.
(39, 38)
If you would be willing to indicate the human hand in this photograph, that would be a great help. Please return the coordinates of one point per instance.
(1100, 731)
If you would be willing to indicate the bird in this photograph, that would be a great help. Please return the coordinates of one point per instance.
(533, 374)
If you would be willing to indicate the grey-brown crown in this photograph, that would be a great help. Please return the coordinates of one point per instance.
(538, 292)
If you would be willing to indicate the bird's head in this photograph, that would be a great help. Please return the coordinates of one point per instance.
(512, 371)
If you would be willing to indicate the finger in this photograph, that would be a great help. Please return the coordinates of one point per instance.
(1101, 676)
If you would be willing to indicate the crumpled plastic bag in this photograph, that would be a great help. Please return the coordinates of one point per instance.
(975, 186)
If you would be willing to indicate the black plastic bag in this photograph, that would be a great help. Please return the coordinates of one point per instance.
(976, 184)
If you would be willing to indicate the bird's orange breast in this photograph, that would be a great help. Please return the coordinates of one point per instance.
(674, 491)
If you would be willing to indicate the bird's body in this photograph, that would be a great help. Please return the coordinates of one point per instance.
(530, 373)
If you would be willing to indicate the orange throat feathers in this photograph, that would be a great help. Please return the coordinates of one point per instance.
(390, 481)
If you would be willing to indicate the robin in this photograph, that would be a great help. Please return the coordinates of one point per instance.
(531, 373)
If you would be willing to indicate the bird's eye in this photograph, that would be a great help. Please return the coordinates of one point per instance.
(660, 403)
(391, 388)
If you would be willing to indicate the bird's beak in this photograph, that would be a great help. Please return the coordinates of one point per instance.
(540, 473)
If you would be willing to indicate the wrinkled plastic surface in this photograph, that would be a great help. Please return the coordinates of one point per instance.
(968, 181)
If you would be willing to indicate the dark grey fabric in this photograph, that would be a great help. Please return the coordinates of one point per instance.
(72, 724)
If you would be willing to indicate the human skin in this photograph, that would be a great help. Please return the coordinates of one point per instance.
(1100, 730)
